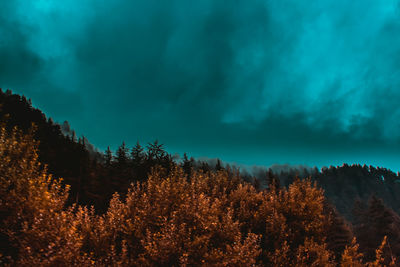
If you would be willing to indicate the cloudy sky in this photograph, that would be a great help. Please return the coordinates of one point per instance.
(252, 82)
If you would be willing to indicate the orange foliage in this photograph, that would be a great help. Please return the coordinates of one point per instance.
(207, 219)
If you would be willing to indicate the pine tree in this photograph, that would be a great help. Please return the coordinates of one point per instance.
(375, 223)
(205, 167)
(339, 234)
(157, 156)
(138, 160)
(187, 164)
(108, 156)
(218, 165)
(122, 155)
(137, 155)
(155, 151)
(272, 180)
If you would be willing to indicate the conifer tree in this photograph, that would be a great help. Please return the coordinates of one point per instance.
(377, 222)
(137, 155)
(205, 167)
(155, 151)
(339, 234)
(108, 157)
(122, 155)
(187, 164)
(272, 180)
(218, 165)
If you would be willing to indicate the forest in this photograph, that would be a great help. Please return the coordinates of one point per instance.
(64, 203)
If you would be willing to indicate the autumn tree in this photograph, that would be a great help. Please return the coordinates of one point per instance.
(36, 228)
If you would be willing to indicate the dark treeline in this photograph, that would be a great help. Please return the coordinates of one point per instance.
(362, 202)
(344, 185)
(65, 156)
(92, 175)
(366, 199)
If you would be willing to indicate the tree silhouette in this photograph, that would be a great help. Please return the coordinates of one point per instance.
(187, 164)
(374, 224)
(108, 157)
(122, 157)
(137, 155)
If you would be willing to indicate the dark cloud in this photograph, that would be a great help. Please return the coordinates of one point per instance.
(261, 81)
(18, 64)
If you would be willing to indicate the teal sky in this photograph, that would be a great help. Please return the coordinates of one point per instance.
(252, 82)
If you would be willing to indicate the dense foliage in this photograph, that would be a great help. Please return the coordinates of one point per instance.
(170, 219)
(141, 206)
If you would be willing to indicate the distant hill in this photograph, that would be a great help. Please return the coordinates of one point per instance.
(345, 185)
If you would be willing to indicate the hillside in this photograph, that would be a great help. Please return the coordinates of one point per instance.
(355, 201)
(345, 185)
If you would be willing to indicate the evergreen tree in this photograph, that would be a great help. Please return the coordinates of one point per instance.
(257, 184)
(339, 234)
(108, 156)
(375, 223)
(272, 180)
(155, 151)
(138, 158)
(218, 165)
(187, 164)
(137, 155)
(205, 167)
(157, 156)
(122, 155)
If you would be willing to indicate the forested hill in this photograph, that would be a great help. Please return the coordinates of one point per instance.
(345, 185)
(368, 197)
(95, 176)
(349, 186)
(65, 156)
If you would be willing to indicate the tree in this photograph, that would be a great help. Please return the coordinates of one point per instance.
(108, 156)
(139, 168)
(137, 155)
(374, 224)
(170, 221)
(157, 156)
(272, 180)
(205, 167)
(122, 155)
(187, 164)
(32, 207)
(351, 257)
(218, 165)
(339, 234)
(155, 151)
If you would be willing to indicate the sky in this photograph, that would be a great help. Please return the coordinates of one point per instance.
(256, 82)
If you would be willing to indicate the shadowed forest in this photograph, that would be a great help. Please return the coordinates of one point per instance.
(63, 203)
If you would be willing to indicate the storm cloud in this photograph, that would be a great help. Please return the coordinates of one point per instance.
(256, 82)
